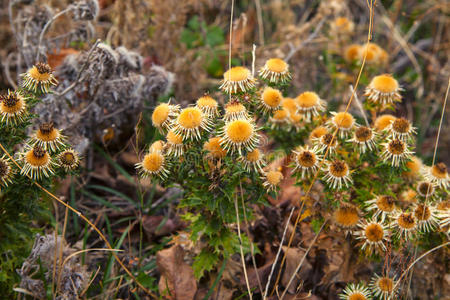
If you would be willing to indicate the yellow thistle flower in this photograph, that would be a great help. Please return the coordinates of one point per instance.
(383, 121)
(317, 133)
(237, 79)
(309, 104)
(270, 99)
(414, 165)
(214, 147)
(355, 292)
(324, 142)
(352, 52)
(48, 137)
(296, 121)
(382, 205)
(306, 161)
(426, 216)
(343, 121)
(373, 235)
(426, 189)
(175, 143)
(12, 108)
(253, 160)
(400, 128)
(437, 174)
(6, 171)
(234, 110)
(157, 146)
(39, 76)
(239, 134)
(337, 174)
(375, 54)
(342, 25)
(290, 105)
(443, 213)
(275, 70)
(383, 287)
(153, 164)
(279, 117)
(190, 122)
(37, 163)
(208, 106)
(383, 89)
(396, 151)
(364, 139)
(163, 114)
(346, 217)
(68, 159)
(272, 180)
(405, 224)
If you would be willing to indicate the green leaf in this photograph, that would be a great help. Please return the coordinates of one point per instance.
(203, 262)
(214, 36)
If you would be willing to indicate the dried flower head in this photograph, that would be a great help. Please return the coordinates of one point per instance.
(383, 89)
(364, 139)
(39, 76)
(208, 106)
(309, 104)
(239, 134)
(237, 79)
(163, 114)
(12, 108)
(190, 122)
(234, 110)
(279, 117)
(157, 146)
(425, 189)
(275, 70)
(396, 151)
(306, 161)
(253, 160)
(383, 121)
(375, 54)
(48, 137)
(337, 174)
(373, 234)
(400, 128)
(343, 121)
(175, 145)
(352, 52)
(384, 287)
(426, 217)
(6, 171)
(342, 25)
(437, 174)
(405, 224)
(324, 142)
(443, 213)
(347, 217)
(214, 147)
(382, 205)
(317, 133)
(270, 99)
(68, 159)
(272, 179)
(414, 165)
(355, 292)
(409, 196)
(153, 164)
(37, 163)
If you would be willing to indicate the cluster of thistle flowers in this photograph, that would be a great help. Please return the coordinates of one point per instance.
(46, 148)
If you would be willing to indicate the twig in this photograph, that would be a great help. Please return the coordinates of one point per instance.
(253, 59)
(7, 73)
(359, 105)
(303, 259)
(260, 22)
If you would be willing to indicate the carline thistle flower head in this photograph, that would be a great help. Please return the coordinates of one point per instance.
(37, 163)
(383, 89)
(309, 104)
(40, 76)
(306, 161)
(275, 70)
(355, 292)
(237, 80)
(163, 114)
(153, 164)
(253, 160)
(68, 159)
(6, 171)
(190, 122)
(337, 174)
(364, 139)
(48, 137)
(12, 108)
(239, 135)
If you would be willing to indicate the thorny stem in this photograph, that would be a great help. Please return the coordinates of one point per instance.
(79, 214)
(369, 38)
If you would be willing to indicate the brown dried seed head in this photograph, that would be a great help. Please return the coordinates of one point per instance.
(338, 168)
(374, 232)
(43, 68)
(46, 128)
(38, 151)
(327, 139)
(385, 284)
(401, 125)
(396, 147)
(406, 221)
(306, 159)
(363, 134)
(385, 203)
(422, 212)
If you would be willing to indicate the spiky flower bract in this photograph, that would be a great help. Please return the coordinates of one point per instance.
(383, 89)
(396, 152)
(239, 135)
(37, 163)
(346, 216)
(153, 164)
(48, 137)
(306, 161)
(343, 122)
(270, 99)
(190, 122)
(275, 70)
(175, 145)
(337, 174)
(236, 80)
(355, 292)
(404, 224)
(12, 108)
(400, 128)
(382, 205)
(208, 105)
(214, 147)
(253, 160)
(383, 287)
(6, 171)
(426, 217)
(272, 180)
(437, 174)
(309, 104)
(364, 139)
(40, 76)
(163, 114)
(68, 159)
(373, 234)
(234, 110)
